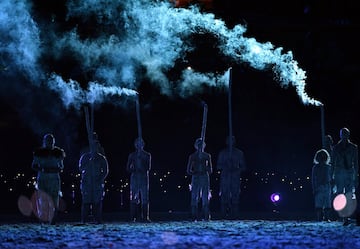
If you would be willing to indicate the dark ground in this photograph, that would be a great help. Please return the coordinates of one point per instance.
(174, 230)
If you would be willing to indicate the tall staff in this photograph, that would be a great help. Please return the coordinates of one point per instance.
(89, 119)
(203, 128)
(322, 116)
(230, 110)
(138, 116)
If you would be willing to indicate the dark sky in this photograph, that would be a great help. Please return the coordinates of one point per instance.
(275, 129)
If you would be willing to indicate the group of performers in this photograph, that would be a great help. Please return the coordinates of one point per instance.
(335, 172)
(93, 166)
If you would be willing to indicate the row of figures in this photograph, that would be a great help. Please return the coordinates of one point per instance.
(94, 168)
(334, 174)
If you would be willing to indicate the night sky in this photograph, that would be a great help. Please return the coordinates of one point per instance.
(52, 51)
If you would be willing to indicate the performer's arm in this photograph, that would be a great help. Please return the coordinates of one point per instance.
(189, 168)
(210, 167)
(35, 165)
(130, 163)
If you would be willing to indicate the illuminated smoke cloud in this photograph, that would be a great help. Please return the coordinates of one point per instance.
(19, 40)
(131, 41)
(72, 94)
(152, 35)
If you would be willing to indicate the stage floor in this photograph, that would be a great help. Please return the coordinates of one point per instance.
(254, 233)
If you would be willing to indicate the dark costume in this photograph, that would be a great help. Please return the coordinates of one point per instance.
(200, 167)
(231, 162)
(345, 162)
(48, 162)
(94, 169)
(139, 165)
(321, 179)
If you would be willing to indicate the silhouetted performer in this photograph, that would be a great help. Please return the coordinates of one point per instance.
(345, 162)
(48, 162)
(139, 165)
(200, 167)
(94, 169)
(231, 162)
(321, 184)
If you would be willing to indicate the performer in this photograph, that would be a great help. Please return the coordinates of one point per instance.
(94, 169)
(231, 163)
(200, 167)
(139, 165)
(345, 164)
(321, 184)
(48, 162)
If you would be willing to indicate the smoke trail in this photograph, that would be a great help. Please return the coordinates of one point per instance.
(72, 94)
(153, 36)
(117, 44)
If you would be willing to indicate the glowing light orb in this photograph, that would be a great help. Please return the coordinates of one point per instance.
(339, 202)
(350, 207)
(25, 205)
(275, 197)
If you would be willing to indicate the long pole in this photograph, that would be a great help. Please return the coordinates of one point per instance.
(203, 128)
(322, 125)
(230, 111)
(89, 120)
(138, 117)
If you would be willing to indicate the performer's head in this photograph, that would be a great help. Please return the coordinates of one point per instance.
(199, 144)
(230, 142)
(344, 133)
(329, 140)
(139, 143)
(49, 141)
(95, 136)
(322, 156)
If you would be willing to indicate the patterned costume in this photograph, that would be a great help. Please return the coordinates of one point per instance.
(48, 162)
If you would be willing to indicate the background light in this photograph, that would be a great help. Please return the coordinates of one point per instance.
(275, 197)
(339, 202)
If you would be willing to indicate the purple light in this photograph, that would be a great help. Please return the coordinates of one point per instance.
(275, 197)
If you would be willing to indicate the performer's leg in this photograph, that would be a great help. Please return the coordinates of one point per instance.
(97, 211)
(85, 211)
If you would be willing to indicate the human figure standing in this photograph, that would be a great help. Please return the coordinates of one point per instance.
(139, 165)
(94, 169)
(48, 162)
(200, 167)
(231, 163)
(321, 184)
(345, 162)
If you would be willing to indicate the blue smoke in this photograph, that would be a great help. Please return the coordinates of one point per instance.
(19, 40)
(133, 40)
(153, 35)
